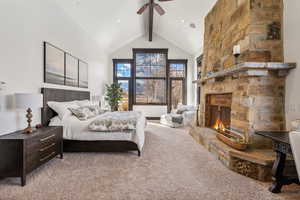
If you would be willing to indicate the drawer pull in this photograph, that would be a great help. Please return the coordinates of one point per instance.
(47, 147)
(47, 138)
(47, 157)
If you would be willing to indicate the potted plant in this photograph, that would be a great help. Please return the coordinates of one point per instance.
(114, 95)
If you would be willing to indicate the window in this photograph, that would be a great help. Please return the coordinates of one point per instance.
(150, 91)
(123, 70)
(150, 76)
(151, 79)
(177, 70)
(150, 65)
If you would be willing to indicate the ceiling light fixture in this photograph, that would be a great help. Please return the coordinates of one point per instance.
(193, 25)
(118, 21)
(182, 21)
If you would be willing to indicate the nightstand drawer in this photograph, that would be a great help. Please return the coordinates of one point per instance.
(48, 155)
(47, 138)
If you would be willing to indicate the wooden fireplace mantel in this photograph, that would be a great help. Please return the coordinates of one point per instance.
(250, 69)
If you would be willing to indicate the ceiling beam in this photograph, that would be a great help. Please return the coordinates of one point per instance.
(151, 16)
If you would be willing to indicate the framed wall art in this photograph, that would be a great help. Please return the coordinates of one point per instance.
(62, 68)
(71, 70)
(83, 74)
(54, 65)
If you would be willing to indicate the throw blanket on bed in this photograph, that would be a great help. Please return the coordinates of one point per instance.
(115, 121)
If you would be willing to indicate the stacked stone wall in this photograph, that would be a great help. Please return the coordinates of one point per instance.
(253, 24)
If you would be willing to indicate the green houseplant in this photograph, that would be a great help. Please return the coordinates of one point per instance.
(114, 95)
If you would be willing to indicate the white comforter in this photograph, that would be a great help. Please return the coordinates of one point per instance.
(74, 129)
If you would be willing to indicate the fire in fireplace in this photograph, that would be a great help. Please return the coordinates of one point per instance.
(219, 126)
(218, 111)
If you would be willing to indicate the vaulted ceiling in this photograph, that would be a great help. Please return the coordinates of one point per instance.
(114, 23)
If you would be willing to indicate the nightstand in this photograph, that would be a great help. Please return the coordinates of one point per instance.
(21, 153)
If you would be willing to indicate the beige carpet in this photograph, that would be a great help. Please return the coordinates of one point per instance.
(172, 167)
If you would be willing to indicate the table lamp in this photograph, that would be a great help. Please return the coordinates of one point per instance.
(29, 101)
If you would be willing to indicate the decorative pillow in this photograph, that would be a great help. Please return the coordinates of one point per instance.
(181, 110)
(295, 125)
(96, 109)
(61, 108)
(84, 103)
(55, 121)
(82, 113)
(112, 125)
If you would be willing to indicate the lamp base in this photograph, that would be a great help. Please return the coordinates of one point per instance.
(29, 130)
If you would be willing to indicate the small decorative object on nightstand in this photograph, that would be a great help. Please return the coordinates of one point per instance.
(29, 101)
(21, 153)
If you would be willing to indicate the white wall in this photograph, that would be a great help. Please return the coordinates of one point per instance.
(292, 54)
(24, 27)
(174, 53)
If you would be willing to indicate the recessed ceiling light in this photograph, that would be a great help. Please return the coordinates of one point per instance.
(192, 25)
(182, 21)
(118, 21)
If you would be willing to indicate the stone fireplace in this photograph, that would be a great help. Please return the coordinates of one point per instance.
(249, 97)
(245, 93)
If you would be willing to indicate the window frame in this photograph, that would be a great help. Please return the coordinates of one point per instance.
(143, 50)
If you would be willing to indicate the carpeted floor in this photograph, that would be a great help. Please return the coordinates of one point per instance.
(172, 167)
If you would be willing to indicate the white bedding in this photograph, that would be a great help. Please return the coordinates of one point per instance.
(74, 129)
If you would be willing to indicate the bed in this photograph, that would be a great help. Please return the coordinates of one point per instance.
(77, 138)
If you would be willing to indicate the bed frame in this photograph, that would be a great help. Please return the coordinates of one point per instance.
(60, 95)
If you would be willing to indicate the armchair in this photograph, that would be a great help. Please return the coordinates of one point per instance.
(184, 115)
(295, 144)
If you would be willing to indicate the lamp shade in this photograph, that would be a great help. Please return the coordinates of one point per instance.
(24, 101)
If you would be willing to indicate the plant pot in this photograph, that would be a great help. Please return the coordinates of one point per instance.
(114, 109)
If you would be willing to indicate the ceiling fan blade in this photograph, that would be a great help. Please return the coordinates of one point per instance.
(165, 0)
(142, 9)
(159, 9)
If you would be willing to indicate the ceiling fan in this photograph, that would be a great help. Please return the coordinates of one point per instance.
(152, 6)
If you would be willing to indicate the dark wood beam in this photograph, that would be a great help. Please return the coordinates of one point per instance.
(151, 16)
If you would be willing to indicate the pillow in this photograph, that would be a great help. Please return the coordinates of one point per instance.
(83, 103)
(112, 125)
(82, 113)
(61, 108)
(181, 110)
(96, 109)
(295, 125)
(55, 121)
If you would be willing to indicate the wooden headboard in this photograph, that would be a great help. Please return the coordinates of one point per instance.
(59, 95)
